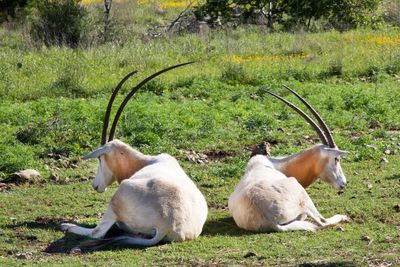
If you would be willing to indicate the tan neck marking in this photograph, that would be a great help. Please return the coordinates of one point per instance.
(123, 163)
(305, 166)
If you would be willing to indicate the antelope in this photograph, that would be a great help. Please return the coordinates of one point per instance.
(271, 195)
(155, 201)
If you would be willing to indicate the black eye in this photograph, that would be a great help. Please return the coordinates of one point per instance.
(337, 160)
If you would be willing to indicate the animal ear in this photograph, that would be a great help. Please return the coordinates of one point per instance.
(98, 152)
(336, 152)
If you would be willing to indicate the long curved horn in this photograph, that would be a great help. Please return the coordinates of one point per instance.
(305, 116)
(133, 91)
(322, 123)
(97, 153)
(109, 106)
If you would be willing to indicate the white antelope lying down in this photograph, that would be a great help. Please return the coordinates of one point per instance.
(267, 200)
(155, 197)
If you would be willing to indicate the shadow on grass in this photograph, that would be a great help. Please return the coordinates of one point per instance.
(71, 242)
(393, 177)
(75, 244)
(328, 264)
(39, 223)
(223, 226)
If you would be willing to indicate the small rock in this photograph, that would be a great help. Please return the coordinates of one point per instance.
(6, 186)
(254, 96)
(387, 152)
(75, 251)
(366, 238)
(28, 175)
(54, 177)
(396, 207)
(24, 255)
(250, 254)
(13, 220)
(340, 229)
(371, 146)
(384, 160)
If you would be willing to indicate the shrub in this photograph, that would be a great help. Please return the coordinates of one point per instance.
(15, 157)
(56, 22)
(156, 87)
(391, 13)
(235, 74)
(9, 8)
(68, 84)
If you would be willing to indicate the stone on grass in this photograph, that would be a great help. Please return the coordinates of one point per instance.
(28, 175)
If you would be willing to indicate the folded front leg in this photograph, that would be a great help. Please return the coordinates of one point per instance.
(99, 231)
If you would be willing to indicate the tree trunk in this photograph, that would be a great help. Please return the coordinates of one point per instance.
(270, 23)
(107, 9)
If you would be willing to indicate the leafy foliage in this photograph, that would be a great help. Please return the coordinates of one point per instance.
(9, 8)
(56, 22)
(340, 14)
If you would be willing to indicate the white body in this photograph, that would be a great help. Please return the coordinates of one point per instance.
(158, 200)
(266, 200)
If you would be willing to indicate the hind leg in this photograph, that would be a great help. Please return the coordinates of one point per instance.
(99, 231)
(296, 226)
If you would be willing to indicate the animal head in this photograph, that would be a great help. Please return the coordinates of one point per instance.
(117, 160)
(330, 155)
(332, 173)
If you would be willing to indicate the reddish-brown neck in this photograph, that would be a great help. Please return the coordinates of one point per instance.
(123, 162)
(305, 166)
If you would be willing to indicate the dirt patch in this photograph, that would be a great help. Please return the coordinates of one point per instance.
(207, 157)
(52, 220)
(60, 160)
(216, 155)
(379, 263)
(218, 206)
(6, 186)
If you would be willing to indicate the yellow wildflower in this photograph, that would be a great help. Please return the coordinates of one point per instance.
(174, 4)
(91, 2)
(253, 58)
(384, 40)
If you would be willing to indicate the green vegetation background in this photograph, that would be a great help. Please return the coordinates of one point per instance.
(53, 100)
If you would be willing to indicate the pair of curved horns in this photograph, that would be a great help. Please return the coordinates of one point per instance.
(125, 101)
(324, 133)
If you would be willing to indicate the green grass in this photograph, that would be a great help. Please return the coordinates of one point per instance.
(34, 225)
(52, 105)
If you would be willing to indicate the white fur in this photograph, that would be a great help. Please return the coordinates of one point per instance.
(159, 200)
(266, 200)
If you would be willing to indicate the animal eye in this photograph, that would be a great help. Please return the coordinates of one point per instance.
(337, 160)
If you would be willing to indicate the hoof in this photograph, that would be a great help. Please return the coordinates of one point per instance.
(65, 226)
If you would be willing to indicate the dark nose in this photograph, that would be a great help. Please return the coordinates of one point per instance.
(343, 186)
(95, 187)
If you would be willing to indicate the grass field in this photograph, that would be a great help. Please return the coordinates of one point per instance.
(53, 101)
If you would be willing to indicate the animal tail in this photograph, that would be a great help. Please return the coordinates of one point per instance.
(122, 240)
